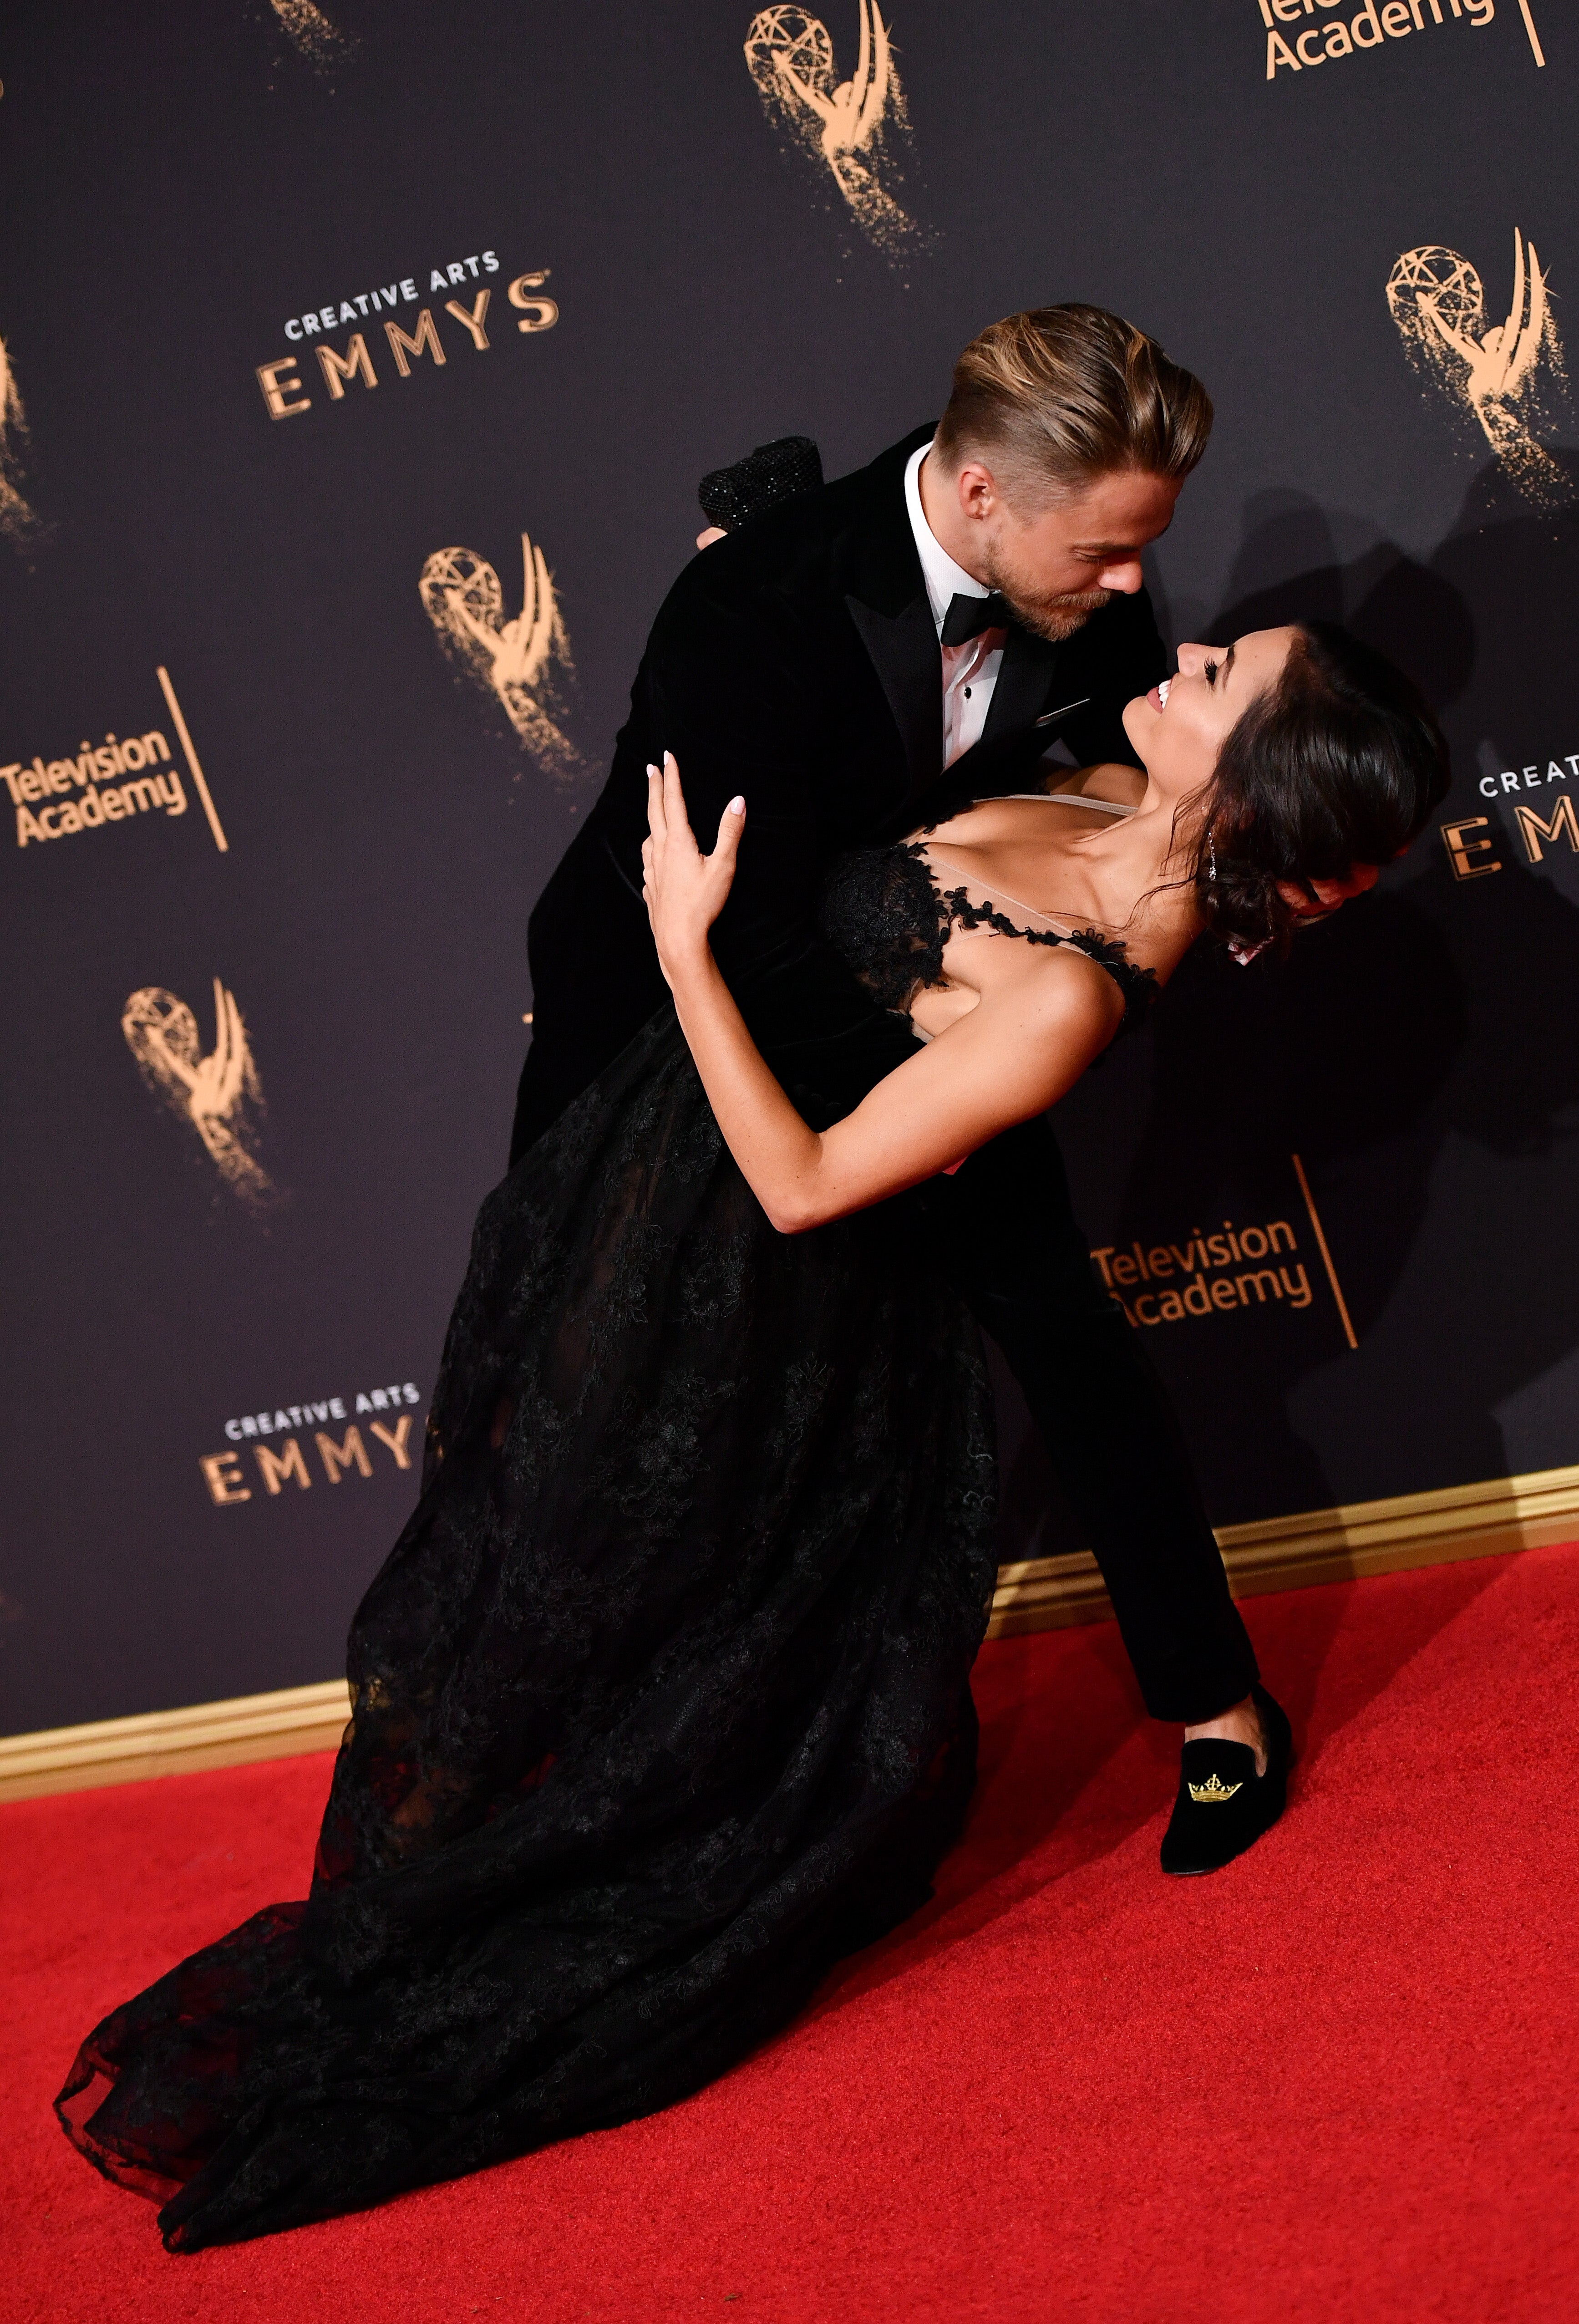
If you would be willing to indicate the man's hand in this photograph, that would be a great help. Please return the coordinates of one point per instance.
(683, 890)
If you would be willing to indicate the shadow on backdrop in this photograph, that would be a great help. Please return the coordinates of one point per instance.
(1425, 1024)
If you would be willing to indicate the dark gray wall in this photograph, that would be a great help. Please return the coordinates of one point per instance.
(177, 180)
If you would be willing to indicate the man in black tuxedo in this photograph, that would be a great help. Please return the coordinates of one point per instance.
(858, 661)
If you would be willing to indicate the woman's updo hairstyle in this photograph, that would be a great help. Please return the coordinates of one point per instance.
(1340, 763)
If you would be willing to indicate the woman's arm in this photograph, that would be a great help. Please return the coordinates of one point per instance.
(1016, 1052)
(723, 685)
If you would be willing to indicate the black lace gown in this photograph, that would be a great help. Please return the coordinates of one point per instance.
(660, 1703)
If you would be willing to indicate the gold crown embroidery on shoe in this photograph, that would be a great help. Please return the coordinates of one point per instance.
(1214, 1788)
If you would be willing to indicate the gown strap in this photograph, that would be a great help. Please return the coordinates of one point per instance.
(1070, 798)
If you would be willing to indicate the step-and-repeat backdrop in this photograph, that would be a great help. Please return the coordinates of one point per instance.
(360, 362)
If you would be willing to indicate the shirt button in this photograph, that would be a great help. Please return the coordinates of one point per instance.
(967, 693)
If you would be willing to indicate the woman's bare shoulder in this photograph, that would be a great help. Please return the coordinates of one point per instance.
(1065, 990)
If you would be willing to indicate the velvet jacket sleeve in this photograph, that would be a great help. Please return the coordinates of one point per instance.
(741, 693)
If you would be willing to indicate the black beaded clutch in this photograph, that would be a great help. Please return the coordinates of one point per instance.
(774, 472)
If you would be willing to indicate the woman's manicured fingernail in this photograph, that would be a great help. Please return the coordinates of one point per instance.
(736, 806)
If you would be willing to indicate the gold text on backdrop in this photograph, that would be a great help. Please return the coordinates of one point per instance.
(113, 781)
(1463, 851)
(1376, 22)
(1197, 1277)
(281, 381)
(1536, 829)
(223, 1472)
(1539, 834)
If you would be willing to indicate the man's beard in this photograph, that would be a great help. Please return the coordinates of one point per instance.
(1053, 618)
(1057, 618)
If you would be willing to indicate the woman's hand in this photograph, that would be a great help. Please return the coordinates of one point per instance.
(683, 890)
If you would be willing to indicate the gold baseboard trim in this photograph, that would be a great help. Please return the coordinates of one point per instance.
(1435, 1528)
(278, 1726)
(1043, 1593)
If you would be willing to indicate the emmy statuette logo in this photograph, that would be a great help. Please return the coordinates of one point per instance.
(520, 662)
(1507, 379)
(218, 1094)
(1214, 1790)
(16, 519)
(843, 127)
(312, 35)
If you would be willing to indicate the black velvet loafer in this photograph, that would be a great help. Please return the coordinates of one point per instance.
(1224, 1806)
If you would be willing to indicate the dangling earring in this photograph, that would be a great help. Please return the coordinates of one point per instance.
(1238, 950)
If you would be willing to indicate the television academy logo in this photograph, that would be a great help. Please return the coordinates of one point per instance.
(1217, 1274)
(115, 781)
(218, 1095)
(525, 662)
(1509, 379)
(843, 127)
(1374, 24)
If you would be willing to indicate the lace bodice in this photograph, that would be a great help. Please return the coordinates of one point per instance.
(885, 910)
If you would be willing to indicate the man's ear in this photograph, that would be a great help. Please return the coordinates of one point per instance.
(976, 489)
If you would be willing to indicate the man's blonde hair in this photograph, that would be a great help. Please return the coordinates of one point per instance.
(1056, 397)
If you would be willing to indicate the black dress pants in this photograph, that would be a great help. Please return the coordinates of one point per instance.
(1003, 1229)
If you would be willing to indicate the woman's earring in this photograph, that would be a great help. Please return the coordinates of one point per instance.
(1211, 857)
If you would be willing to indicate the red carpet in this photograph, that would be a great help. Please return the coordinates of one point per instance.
(1333, 2082)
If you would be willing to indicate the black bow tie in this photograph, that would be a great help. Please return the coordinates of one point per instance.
(968, 617)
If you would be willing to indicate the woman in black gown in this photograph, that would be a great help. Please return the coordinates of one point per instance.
(661, 1704)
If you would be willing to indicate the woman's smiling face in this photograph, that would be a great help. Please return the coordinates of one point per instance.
(1179, 728)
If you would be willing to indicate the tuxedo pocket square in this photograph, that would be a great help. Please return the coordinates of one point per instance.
(1049, 717)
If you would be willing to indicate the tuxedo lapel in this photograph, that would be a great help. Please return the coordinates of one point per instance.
(880, 579)
(987, 770)
(1025, 679)
(904, 651)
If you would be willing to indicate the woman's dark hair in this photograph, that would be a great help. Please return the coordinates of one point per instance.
(1340, 763)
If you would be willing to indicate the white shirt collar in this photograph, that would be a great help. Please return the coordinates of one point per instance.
(945, 579)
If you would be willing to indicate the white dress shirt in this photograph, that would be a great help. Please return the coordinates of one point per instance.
(970, 671)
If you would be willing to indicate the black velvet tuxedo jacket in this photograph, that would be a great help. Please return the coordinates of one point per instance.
(796, 662)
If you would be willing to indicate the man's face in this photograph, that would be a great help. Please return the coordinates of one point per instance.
(1059, 564)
